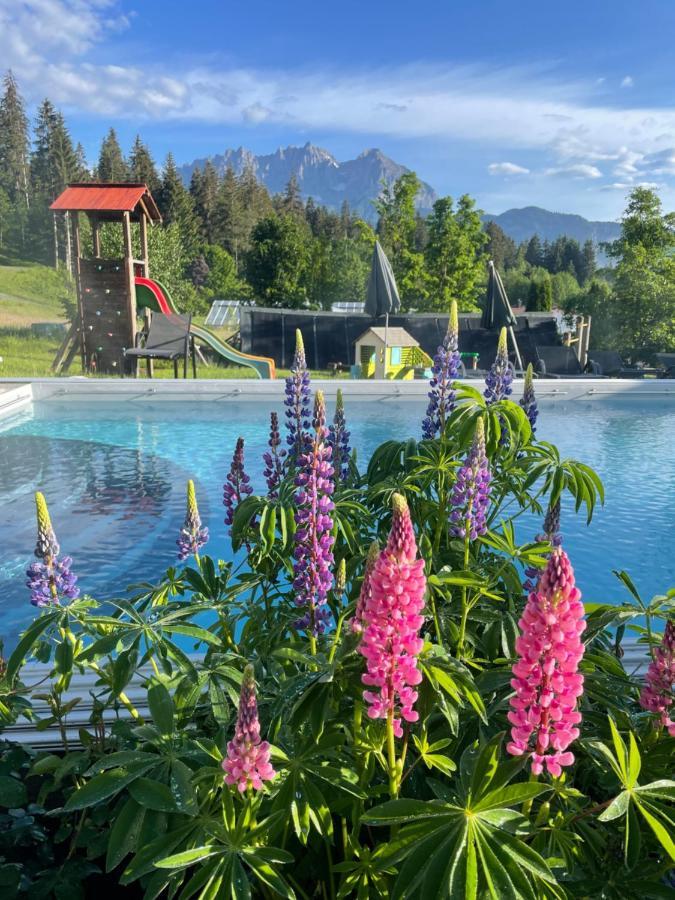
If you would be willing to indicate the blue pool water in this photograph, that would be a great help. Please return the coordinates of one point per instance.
(114, 476)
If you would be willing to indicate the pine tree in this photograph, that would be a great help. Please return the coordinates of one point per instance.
(533, 254)
(454, 254)
(588, 262)
(14, 144)
(54, 165)
(142, 166)
(82, 170)
(229, 226)
(111, 164)
(54, 162)
(176, 205)
(291, 200)
(204, 188)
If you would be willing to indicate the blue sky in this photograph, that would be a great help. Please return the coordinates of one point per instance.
(519, 103)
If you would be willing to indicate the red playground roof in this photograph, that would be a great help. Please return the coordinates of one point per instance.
(106, 199)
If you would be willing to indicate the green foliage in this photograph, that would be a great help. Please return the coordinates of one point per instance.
(277, 262)
(540, 295)
(143, 799)
(454, 255)
(111, 165)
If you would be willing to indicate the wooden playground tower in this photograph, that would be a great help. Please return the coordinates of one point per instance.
(106, 294)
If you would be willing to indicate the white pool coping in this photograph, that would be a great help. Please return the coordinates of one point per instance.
(17, 393)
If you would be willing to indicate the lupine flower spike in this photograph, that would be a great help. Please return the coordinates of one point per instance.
(247, 763)
(528, 401)
(50, 580)
(546, 679)
(238, 485)
(470, 496)
(274, 459)
(340, 579)
(192, 535)
(444, 371)
(297, 401)
(551, 534)
(391, 620)
(338, 439)
(312, 568)
(657, 695)
(498, 379)
(366, 588)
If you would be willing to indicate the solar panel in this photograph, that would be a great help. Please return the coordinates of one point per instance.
(223, 312)
(349, 306)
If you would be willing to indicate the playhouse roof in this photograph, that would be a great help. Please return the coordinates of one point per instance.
(396, 337)
(104, 200)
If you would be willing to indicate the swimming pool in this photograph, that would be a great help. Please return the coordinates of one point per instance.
(114, 475)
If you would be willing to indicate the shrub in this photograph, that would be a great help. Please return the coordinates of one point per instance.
(405, 579)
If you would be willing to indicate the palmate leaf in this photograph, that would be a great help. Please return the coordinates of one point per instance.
(467, 848)
(626, 764)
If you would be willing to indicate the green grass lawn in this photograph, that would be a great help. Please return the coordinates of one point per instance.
(31, 293)
(26, 356)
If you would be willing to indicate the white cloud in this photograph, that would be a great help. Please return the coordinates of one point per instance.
(579, 170)
(507, 168)
(627, 82)
(59, 47)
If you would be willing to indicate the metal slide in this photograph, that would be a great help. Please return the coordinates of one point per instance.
(154, 296)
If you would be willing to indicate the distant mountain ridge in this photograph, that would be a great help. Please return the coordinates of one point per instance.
(319, 175)
(521, 224)
(359, 181)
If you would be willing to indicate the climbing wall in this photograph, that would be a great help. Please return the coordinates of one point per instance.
(103, 286)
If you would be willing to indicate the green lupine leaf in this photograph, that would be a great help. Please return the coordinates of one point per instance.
(187, 857)
(102, 787)
(124, 834)
(161, 708)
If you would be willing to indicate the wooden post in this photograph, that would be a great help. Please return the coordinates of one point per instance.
(131, 287)
(144, 244)
(75, 227)
(56, 241)
(69, 256)
(96, 237)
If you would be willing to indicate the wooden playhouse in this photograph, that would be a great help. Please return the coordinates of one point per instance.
(106, 292)
(396, 359)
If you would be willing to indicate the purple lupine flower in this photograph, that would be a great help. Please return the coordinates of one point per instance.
(498, 379)
(471, 492)
(238, 484)
(192, 535)
(50, 580)
(247, 764)
(313, 555)
(528, 401)
(274, 459)
(550, 534)
(297, 401)
(338, 438)
(445, 369)
(658, 693)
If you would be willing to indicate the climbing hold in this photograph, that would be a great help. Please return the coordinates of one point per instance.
(99, 349)
(110, 334)
(114, 365)
(98, 312)
(90, 327)
(87, 290)
(107, 290)
(119, 312)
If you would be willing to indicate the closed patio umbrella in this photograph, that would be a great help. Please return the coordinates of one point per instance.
(497, 312)
(382, 296)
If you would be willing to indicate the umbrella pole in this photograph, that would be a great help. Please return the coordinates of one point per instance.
(386, 341)
(515, 347)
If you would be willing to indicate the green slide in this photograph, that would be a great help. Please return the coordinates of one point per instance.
(153, 295)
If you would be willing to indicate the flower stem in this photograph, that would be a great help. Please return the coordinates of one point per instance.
(391, 757)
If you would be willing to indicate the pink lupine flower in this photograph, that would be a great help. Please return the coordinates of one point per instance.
(247, 763)
(391, 621)
(365, 594)
(657, 694)
(546, 679)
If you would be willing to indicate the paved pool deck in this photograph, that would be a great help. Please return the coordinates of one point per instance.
(18, 392)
